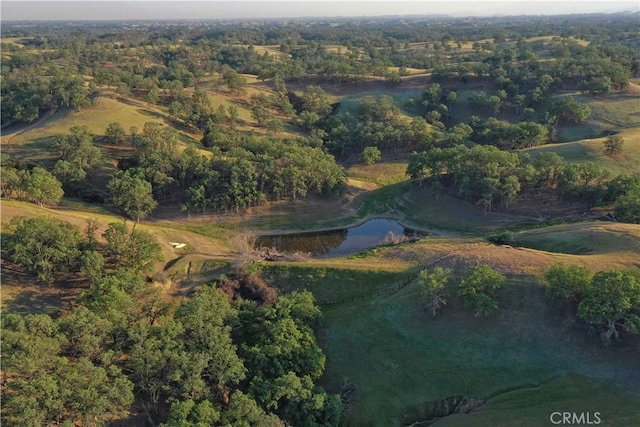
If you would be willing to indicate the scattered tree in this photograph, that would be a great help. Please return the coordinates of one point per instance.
(433, 285)
(42, 187)
(136, 250)
(478, 288)
(612, 303)
(115, 133)
(613, 145)
(567, 281)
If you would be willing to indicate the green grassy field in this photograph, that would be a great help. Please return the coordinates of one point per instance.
(422, 208)
(534, 406)
(399, 357)
(583, 238)
(617, 111)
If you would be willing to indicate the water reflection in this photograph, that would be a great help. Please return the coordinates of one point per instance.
(337, 242)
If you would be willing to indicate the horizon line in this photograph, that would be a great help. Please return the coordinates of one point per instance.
(293, 18)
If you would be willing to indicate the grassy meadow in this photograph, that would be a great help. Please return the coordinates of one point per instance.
(526, 361)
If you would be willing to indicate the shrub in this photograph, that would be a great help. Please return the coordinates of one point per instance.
(371, 155)
(501, 238)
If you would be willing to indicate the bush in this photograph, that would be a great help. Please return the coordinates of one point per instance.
(501, 238)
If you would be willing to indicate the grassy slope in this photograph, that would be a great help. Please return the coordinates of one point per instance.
(534, 406)
(32, 142)
(397, 356)
(614, 113)
(380, 173)
(584, 238)
(592, 150)
(104, 110)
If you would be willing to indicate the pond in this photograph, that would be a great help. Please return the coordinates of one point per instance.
(326, 244)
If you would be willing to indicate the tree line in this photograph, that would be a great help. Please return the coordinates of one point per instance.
(244, 171)
(607, 301)
(494, 178)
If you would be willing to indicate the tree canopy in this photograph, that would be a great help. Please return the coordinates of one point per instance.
(612, 303)
(132, 195)
(43, 246)
(478, 289)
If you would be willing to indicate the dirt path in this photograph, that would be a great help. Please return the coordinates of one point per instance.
(633, 88)
(20, 129)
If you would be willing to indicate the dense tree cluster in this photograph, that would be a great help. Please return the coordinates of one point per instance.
(260, 373)
(48, 384)
(47, 247)
(243, 172)
(36, 185)
(27, 91)
(209, 360)
(77, 155)
(378, 124)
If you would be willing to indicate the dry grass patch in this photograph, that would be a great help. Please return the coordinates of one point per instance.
(380, 173)
(592, 150)
(361, 184)
(104, 110)
(379, 264)
(271, 50)
(410, 71)
(337, 48)
(22, 293)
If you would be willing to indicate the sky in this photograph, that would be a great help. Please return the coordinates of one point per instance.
(214, 9)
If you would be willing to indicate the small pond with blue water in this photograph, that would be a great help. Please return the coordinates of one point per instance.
(326, 244)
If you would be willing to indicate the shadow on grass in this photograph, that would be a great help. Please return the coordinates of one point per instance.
(148, 113)
(34, 152)
(48, 301)
(24, 294)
